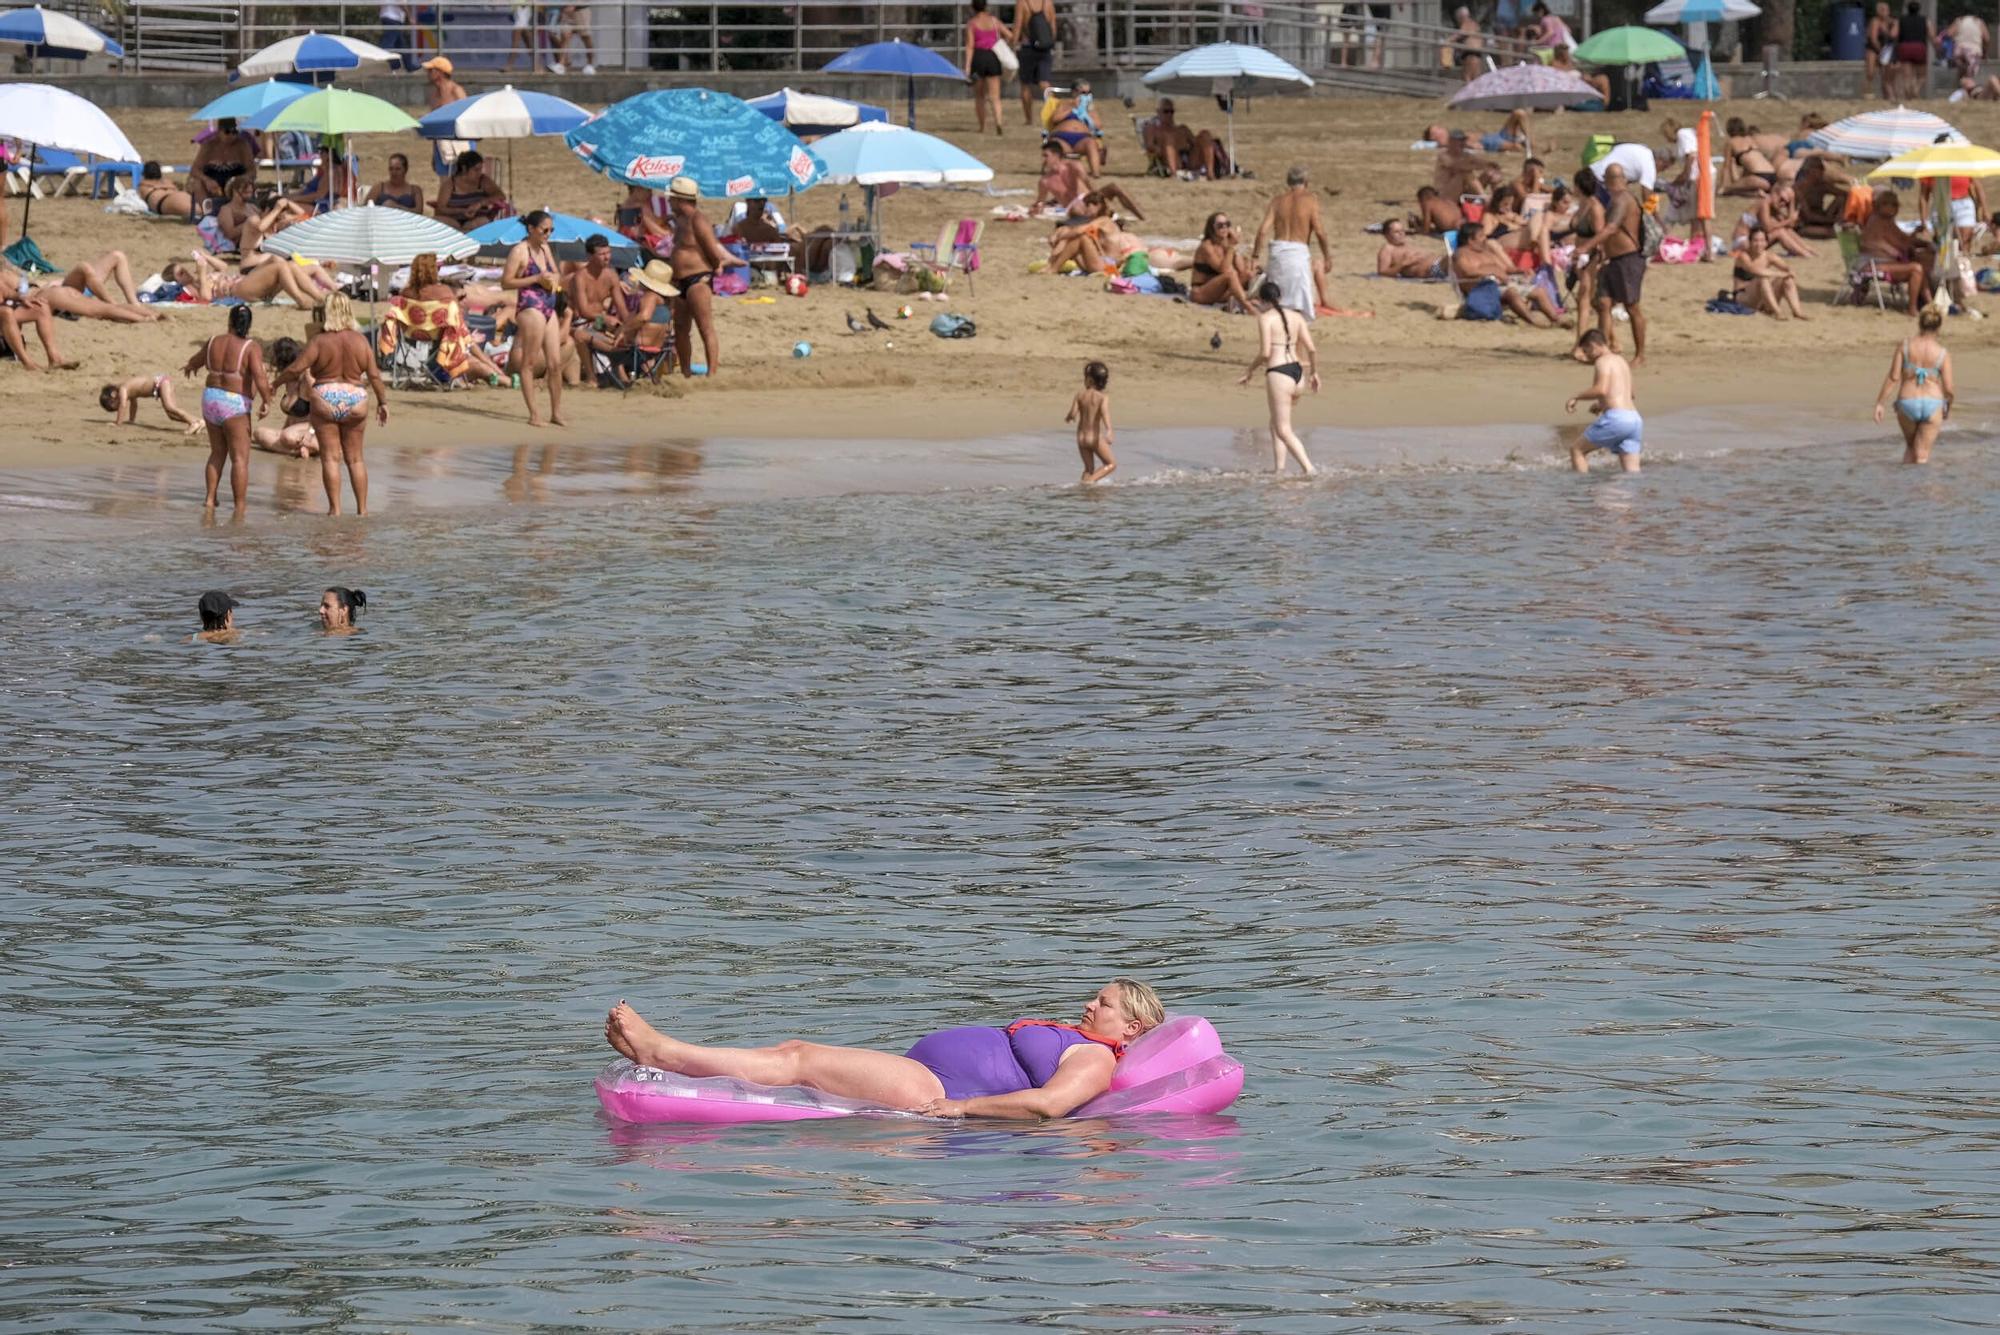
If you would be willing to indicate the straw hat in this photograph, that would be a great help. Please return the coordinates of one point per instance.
(657, 277)
(685, 187)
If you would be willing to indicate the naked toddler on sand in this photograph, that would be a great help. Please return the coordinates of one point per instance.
(1091, 411)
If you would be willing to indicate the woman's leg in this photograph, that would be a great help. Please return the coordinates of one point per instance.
(44, 320)
(237, 432)
(1909, 430)
(10, 330)
(111, 277)
(554, 350)
(529, 348)
(328, 432)
(1788, 292)
(72, 302)
(218, 454)
(1280, 390)
(352, 432)
(854, 1073)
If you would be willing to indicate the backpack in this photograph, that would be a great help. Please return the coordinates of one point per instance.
(950, 325)
(1041, 36)
(1651, 230)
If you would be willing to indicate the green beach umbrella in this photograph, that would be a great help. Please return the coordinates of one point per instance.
(1629, 46)
(336, 111)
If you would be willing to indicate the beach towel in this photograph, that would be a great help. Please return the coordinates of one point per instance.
(1291, 269)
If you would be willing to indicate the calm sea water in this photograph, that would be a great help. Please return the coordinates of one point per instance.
(1596, 877)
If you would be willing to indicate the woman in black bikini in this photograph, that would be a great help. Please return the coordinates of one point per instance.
(1746, 170)
(162, 197)
(1216, 277)
(1764, 282)
(1290, 363)
(398, 192)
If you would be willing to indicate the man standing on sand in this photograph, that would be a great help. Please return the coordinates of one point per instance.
(443, 89)
(1292, 226)
(1618, 427)
(696, 258)
(1623, 276)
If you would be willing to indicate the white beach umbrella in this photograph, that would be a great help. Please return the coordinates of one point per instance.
(43, 116)
(1227, 67)
(1874, 135)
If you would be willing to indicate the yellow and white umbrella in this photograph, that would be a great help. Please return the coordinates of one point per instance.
(1935, 160)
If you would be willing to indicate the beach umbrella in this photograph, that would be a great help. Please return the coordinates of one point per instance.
(1629, 46)
(369, 234)
(330, 112)
(1533, 87)
(1875, 135)
(1935, 160)
(1669, 12)
(507, 113)
(904, 59)
(253, 101)
(726, 146)
(313, 53)
(1227, 67)
(503, 234)
(878, 154)
(42, 33)
(809, 113)
(43, 116)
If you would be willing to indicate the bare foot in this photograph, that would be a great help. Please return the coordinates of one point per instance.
(631, 1035)
(1639, 360)
(558, 419)
(534, 419)
(64, 365)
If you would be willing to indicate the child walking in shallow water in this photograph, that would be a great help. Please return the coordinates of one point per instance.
(1091, 411)
(121, 400)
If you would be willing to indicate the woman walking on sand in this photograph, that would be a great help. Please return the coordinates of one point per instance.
(982, 64)
(1290, 363)
(1920, 377)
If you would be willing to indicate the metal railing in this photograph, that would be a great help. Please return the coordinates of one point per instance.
(779, 36)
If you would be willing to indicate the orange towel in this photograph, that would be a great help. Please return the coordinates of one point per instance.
(1860, 203)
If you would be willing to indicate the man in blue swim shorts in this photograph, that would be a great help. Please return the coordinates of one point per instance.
(1618, 427)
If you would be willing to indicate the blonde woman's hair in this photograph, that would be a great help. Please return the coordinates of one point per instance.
(336, 313)
(1141, 1002)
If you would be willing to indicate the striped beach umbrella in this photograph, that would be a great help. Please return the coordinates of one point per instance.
(314, 53)
(368, 234)
(1229, 67)
(1701, 11)
(43, 33)
(1874, 135)
(506, 113)
(1935, 160)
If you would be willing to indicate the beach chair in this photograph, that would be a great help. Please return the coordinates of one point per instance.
(422, 343)
(1864, 276)
(67, 171)
(955, 251)
(650, 354)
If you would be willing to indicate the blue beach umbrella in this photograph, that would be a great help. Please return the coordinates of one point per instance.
(910, 61)
(254, 101)
(503, 234)
(810, 113)
(42, 33)
(726, 146)
(1691, 12)
(314, 53)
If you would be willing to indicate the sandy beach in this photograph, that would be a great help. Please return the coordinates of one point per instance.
(1403, 367)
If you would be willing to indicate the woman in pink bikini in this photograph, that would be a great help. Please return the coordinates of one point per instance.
(235, 367)
(1028, 1069)
(331, 371)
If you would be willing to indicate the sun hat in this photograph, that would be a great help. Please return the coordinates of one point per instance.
(438, 63)
(685, 187)
(657, 276)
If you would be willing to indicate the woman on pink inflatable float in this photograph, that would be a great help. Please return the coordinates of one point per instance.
(1031, 1069)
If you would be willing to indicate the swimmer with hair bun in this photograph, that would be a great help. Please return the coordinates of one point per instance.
(1030, 1069)
(337, 609)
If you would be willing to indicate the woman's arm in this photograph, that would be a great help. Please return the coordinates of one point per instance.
(1944, 379)
(375, 382)
(197, 362)
(1304, 343)
(966, 64)
(1891, 381)
(1083, 1073)
(510, 277)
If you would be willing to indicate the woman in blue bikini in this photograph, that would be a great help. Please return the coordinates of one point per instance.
(235, 367)
(1028, 1069)
(1920, 378)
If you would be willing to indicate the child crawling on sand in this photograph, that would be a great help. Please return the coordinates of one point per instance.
(296, 437)
(121, 400)
(1091, 411)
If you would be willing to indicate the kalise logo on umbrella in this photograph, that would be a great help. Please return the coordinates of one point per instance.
(655, 169)
(742, 185)
(801, 165)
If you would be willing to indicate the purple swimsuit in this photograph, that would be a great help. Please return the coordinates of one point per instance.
(978, 1061)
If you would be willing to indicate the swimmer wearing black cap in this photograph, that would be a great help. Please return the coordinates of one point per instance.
(337, 609)
(218, 618)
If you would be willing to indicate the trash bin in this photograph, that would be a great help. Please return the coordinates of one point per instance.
(1849, 33)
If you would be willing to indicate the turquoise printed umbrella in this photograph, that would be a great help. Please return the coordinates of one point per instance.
(725, 145)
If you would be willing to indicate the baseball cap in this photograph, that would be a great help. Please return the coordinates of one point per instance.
(438, 63)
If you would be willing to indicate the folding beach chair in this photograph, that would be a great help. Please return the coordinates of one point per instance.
(650, 354)
(1864, 276)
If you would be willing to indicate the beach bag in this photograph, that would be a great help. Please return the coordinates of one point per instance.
(1673, 250)
(1009, 62)
(1121, 287)
(1651, 230)
(731, 283)
(952, 325)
